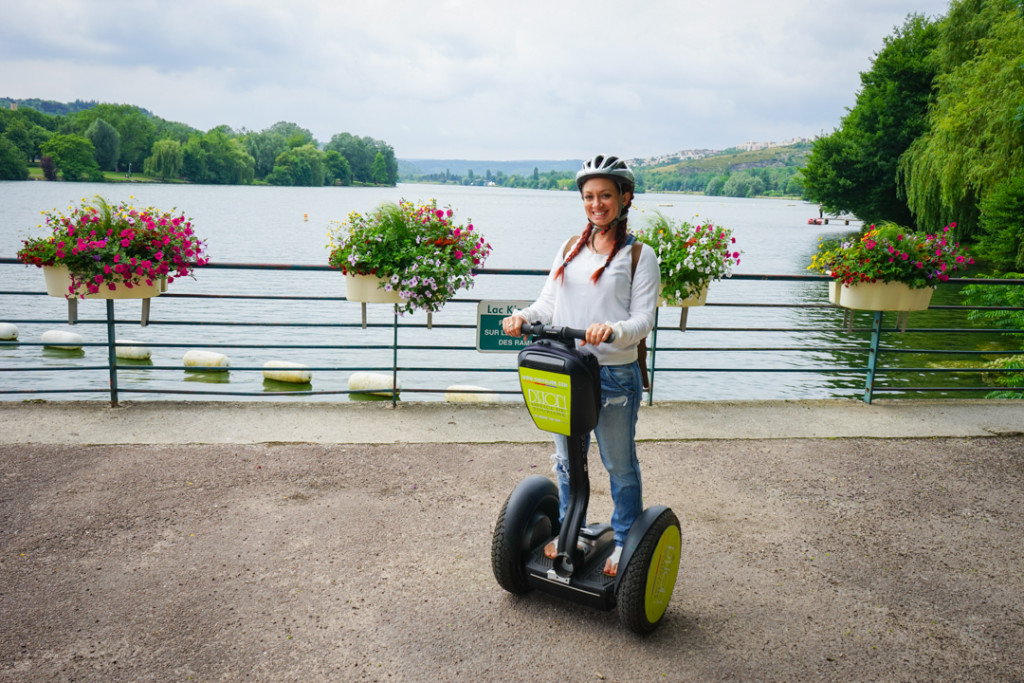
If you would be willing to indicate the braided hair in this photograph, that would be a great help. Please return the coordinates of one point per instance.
(620, 223)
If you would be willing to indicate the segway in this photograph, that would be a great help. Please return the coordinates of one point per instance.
(562, 389)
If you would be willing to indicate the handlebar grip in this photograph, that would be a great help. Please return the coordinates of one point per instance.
(551, 332)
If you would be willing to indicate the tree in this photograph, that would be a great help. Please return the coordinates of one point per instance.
(1002, 225)
(338, 169)
(73, 156)
(714, 187)
(299, 166)
(216, 158)
(264, 147)
(296, 135)
(355, 150)
(975, 136)
(107, 142)
(49, 169)
(166, 161)
(379, 171)
(854, 168)
(12, 161)
(18, 134)
(136, 128)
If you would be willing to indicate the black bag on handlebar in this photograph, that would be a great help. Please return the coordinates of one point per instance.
(561, 387)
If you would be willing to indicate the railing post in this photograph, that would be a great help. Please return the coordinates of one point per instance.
(394, 360)
(876, 338)
(112, 352)
(654, 353)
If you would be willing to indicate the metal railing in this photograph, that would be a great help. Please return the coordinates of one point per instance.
(864, 345)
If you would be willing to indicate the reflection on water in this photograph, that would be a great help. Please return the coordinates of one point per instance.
(793, 335)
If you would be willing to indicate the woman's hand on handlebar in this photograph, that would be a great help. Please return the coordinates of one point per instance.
(597, 333)
(513, 325)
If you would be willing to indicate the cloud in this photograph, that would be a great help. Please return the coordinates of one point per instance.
(458, 79)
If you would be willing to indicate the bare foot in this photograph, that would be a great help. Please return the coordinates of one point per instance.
(551, 549)
(611, 565)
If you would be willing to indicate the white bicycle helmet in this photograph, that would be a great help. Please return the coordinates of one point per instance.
(603, 166)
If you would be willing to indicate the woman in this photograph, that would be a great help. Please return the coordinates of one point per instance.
(594, 285)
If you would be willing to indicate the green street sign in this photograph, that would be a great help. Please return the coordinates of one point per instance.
(490, 338)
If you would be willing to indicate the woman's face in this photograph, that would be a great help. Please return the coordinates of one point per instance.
(602, 201)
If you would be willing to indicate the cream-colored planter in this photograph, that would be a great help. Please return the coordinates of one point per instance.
(58, 282)
(698, 299)
(365, 288)
(879, 296)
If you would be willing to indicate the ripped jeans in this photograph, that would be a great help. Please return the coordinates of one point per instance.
(621, 393)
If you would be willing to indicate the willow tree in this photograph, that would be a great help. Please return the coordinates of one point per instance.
(975, 136)
(854, 168)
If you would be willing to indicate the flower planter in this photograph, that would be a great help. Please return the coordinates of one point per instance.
(698, 299)
(879, 296)
(366, 289)
(58, 283)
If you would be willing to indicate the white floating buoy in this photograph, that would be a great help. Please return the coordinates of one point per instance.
(285, 371)
(372, 383)
(127, 349)
(8, 331)
(457, 393)
(65, 340)
(206, 360)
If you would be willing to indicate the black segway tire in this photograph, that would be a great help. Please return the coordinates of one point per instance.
(528, 519)
(646, 584)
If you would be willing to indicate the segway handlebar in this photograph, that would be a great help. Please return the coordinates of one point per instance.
(565, 334)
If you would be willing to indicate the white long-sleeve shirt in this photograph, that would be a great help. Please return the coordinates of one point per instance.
(623, 300)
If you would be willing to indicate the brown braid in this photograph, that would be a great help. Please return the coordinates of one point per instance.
(560, 273)
(620, 241)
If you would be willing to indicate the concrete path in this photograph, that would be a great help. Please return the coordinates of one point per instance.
(337, 542)
(170, 422)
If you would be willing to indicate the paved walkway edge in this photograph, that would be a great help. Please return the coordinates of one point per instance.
(215, 422)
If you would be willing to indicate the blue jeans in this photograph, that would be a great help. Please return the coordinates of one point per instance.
(621, 393)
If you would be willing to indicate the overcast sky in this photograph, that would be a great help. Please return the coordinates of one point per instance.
(519, 79)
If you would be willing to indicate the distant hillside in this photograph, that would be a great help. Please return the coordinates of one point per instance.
(730, 160)
(409, 168)
(54, 108)
(773, 171)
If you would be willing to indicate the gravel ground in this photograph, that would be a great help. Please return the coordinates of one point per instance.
(803, 559)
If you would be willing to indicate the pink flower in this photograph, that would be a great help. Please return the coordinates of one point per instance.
(458, 254)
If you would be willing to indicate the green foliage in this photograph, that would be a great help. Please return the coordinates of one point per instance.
(975, 138)
(264, 147)
(217, 159)
(890, 253)
(12, 161)
(107, 142)
(418, 250)
(166, 161)
(361, 154)
(994, 300)
(17, 134)
(379, 170)
(73, 156)
(689, 257)
(765, 172)
(303, 166)
(854, 169)
(135, 126)
(338, 170)
(1002, 224)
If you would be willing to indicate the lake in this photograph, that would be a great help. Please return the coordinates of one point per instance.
(248, 224)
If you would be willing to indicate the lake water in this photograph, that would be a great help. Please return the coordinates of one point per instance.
(289, 225)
